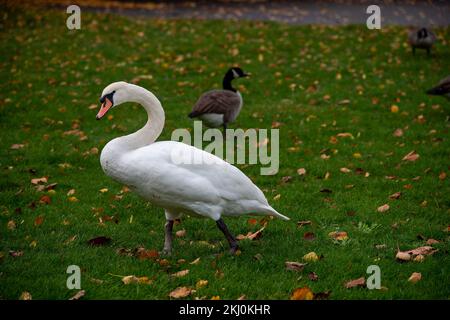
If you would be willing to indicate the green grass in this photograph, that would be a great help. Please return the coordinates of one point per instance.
(50, 76)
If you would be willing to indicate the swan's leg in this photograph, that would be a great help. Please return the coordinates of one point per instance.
(168, 227)
(231, 239)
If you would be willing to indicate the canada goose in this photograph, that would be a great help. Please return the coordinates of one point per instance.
(442, 89)
(422, 39)
(220, 107)
(152, 169)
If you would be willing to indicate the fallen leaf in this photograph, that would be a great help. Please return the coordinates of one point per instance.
(383, 208)
(294, 266)
(338, 235)
(302, 294)
(442, 176)
(11, 225)
(38, 221)
(398, 132)
(99, 241)
(25, 296)
(412, 156)
(403, 256)
(301, 171)
(425, 250)
(415, 277)
(73, 199)
(15, 254)
(344, 170)
(45, 199)
(201, 284)
(181, 292)
(419, 258)
(196, 261)
(303, 223)
(143, 254)
(78, 295)
(242, 297)
(180, 274)
(396, 195)
(311, 257)
(103, 190)
(431, 242)
(17, 146)
(360, 282)
(313, 276)
(71, 192)
(310, 236)
(251, 236)
(180, 233)
(39, 180)
(322, 295)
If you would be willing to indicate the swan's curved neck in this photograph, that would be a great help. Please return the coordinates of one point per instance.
(155, 123)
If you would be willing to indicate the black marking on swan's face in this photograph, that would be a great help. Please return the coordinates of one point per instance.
(109, 96)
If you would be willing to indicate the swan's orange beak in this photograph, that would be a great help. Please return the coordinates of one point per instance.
(104, 108)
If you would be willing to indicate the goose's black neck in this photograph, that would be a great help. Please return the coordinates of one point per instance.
(226, 84)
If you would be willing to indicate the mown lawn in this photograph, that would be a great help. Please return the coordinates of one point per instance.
(312, 82)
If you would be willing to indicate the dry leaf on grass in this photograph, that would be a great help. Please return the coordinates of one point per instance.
(309, 236)
(78, 295)
(383, 208)
(180, 274)
(395, 196)
(39, 180)
(295, 266)
(25, 296)
(302, 294)
(360, 282)
(180, 233)
(201, 284)
(99, 241)
(415, 277)
(420, 251)
(250, 235)
(412, 156)
(338, 235)
(311, 257)
(303, 223)
(181, 292)
(301, 171)
(133, 279)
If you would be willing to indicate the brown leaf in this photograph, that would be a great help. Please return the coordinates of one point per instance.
(322, 295)
(398, 133)
(143, 254)
(403, 256)
(25, 296)
(38, 221)
(251, 236)
(11, 225)
(396, 195)
(99, 241)
(412, 156)
(294, 265)
(442, 175)
(181, 292)
(431, 241)
(17, 146)
(360, 282)
(15, 254)
(310, 236)
(313, 276)
(425, 250)
(303, 223)
(415, 277)
(78, 295)
(45, 199)
(383, 208)
(302, 294)
(338, 235)
(39, 180)
(180, 233)
(180, 274)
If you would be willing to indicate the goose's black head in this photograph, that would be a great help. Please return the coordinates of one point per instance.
(422, 33)
(233, 73)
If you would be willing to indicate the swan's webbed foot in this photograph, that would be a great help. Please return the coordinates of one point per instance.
(234, 247)
(168, 227)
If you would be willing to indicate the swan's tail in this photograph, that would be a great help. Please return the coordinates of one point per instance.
(271, 211)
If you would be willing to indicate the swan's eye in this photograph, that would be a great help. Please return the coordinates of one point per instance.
(109, 96)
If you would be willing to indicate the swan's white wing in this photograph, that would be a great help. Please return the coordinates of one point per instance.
(213, 185)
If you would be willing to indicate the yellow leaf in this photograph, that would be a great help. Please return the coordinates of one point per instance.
(302, 294)
(201, 283)
(394, 108)
(180, 274)
(103, 190)
(311, 257)
(25, 296)
(415, 277)
(73, 199)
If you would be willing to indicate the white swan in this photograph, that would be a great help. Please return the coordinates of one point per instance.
(210, 189)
